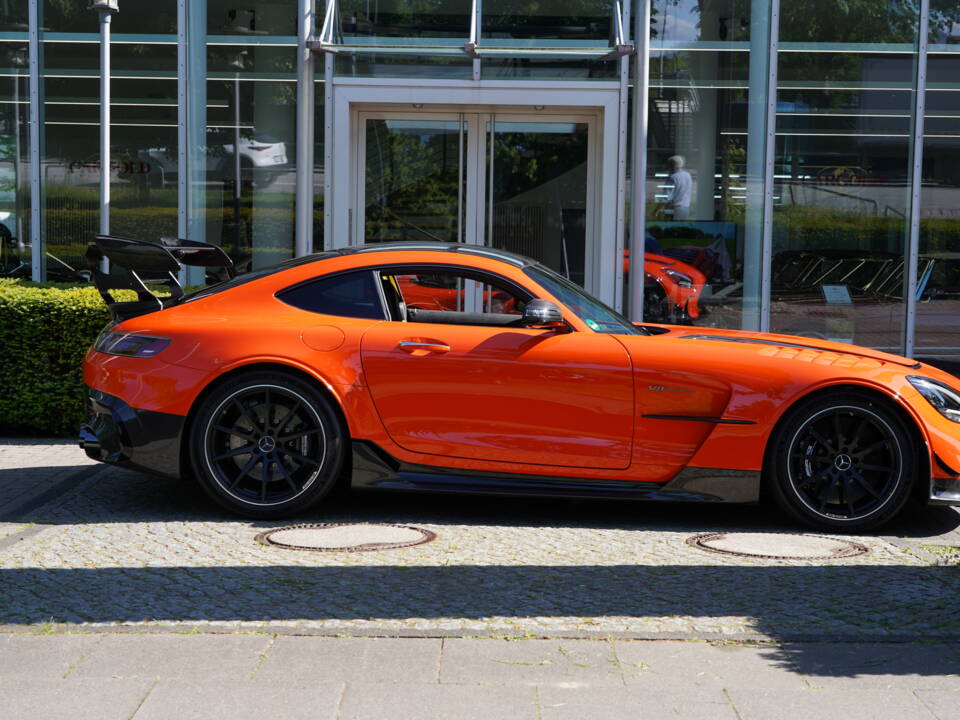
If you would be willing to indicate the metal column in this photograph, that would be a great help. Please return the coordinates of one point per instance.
(328, 139)
(105, 18)
(622, 167)
(303, 243)
(183, 182)
(761, 151)
(476, 23)
(638, 177)
(106, 8)
(191, 127)
(769, 161)
(37, 240)
(19, 59)
(181, 118)
(916, 185)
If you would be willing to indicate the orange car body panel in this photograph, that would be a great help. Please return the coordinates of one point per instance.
(503, 394)
(515, 400)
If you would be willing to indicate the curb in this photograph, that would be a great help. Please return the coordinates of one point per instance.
(187, 628)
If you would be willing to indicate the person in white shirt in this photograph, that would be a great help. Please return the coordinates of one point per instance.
(680, 189)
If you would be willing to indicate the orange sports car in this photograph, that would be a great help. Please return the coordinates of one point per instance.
(274, 386)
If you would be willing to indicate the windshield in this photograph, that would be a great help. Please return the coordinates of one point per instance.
(594, 313)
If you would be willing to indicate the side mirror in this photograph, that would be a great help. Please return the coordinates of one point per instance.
(542, 314)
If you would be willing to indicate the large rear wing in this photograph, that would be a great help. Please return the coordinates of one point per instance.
(137, 262)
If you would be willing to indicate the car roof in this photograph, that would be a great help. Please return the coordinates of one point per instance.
(476, 250)
(446, 247)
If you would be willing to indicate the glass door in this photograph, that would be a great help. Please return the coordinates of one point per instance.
(413, 177)
(521, 182)
(538, 176)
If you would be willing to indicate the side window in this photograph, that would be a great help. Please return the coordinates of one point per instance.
(454, 292)
(350, 295)
(452, 296)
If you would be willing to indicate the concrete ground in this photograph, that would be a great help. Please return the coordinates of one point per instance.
(125, 675)
(127, 596)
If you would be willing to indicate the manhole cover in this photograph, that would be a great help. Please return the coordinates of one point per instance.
(345, 537)
(777, 546)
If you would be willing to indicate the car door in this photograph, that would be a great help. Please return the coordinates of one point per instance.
(495, 392)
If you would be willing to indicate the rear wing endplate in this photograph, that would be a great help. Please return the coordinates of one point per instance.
(137, 262)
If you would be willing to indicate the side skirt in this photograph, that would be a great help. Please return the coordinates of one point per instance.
(373, 468)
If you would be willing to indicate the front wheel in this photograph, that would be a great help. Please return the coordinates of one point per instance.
(267, 445)
(842, 462)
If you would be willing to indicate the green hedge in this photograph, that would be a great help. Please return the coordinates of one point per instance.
(45, 330)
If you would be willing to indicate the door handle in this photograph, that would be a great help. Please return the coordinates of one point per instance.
(413, 346)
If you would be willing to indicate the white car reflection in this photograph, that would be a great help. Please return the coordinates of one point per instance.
(262, 157)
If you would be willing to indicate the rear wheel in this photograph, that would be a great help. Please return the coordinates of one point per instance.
(267, 445)
(843, 462)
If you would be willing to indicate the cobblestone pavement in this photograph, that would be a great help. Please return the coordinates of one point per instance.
(30, 468)
(129, 551)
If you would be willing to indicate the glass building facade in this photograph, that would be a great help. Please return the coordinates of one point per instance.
(792, 167)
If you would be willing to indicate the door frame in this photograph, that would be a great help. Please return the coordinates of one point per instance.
(478, 126)
(593, 194)
(358, 199)
(351, 95)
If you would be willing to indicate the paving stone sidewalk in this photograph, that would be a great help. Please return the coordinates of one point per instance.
(121, 549)
(141, 676)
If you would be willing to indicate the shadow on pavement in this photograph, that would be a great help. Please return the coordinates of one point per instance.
(125, 496)
(23, 490)
(787, 602)
(867, 660)
(924, 522)
(28, 440)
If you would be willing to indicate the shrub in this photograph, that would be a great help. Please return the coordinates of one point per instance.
(45, 330)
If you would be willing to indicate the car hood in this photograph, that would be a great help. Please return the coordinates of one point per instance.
(772, 341)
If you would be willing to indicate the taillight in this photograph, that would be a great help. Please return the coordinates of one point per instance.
(130, 345)
(259, 148)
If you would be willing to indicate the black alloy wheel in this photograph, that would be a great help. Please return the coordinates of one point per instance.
(267, 445)
(843, 462)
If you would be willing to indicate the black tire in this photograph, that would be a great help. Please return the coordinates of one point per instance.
(842, 462)
(267, 445)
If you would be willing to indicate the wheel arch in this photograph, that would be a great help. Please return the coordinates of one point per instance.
(260, 365)
(891, 402)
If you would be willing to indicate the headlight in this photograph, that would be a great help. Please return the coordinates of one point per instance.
(130, 345)
(681, 279)
(943, 397)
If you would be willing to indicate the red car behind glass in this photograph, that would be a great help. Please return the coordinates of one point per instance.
(673, 289)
